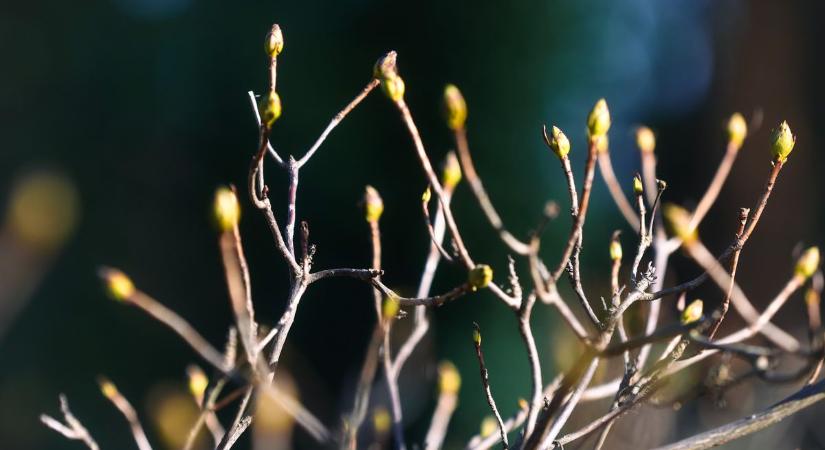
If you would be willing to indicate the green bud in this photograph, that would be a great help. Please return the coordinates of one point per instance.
(615, 250)
(476, 334)
(425, 197)
(677, 221)
(373, 204)
(693, 312)
(489, 425)
(645, 139)
(118, 285)
(449, 380)
(381, 420)
(638, 188)
(452, 171)
(393, 87)
(390, 308)
(808, 263)
(480, 276)
(226, 208)
(559, 143)
(274, 43)
(599, 120)
(737, 130)
(455, 108)
(271, 109)
(782, 142)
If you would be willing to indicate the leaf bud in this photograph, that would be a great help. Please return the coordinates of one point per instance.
(455, 108)
(480, 276)
(645, 139)
(373, 204)
(274, 43)
(782, 142)
(598, 122)
(692, 312)
(737, 130)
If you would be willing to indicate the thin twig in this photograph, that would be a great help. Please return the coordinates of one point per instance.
(421, 323)
(206, 415)
(581, 215)
(111, 392)
(180, 326)
(485, 383)
(743, 306)
(469, 171)
(715, 186)
(526, 332)
(395, 396)
(242, 421)
(236, 271)
(613, 185)
(806, 397)
(337, 119)
(434, 183)
(72, 429)
(734, 263)
(444, 408)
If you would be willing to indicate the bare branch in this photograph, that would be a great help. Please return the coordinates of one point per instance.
(111, 392)
(485, 383)
(337, 119)
(72, 429)
(469, 170)
(806, 397)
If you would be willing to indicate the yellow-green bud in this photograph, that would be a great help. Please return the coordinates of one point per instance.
(807, 264)
(390, 308)
(373, 204)
(559, 143)
(386, 67)
(645, 139)
(692, 312)
(489, 425)
(427, 195)
(198, 382)
(677, 221)
(480, 276)
(522, 403)
(598, 122)
(449, 381)
(782, 142)
(452, 171)
(226, 208)
(381, 420)
(271, 108)
(455, 108)
(737, 130)
(118, 285)
(615, 250)
(476, 334)
(393, 87)
(638, 188)
(274, 43)
(107, 388)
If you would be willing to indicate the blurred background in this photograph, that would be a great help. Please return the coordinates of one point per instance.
(121, 117)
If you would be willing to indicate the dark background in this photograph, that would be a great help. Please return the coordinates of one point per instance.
(127, 114)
